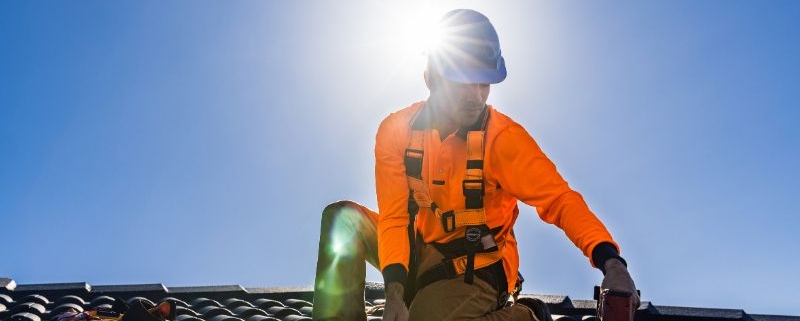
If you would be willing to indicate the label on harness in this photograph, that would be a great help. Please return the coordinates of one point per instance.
(473, 234)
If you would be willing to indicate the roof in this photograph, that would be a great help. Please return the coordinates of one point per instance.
(39, 302)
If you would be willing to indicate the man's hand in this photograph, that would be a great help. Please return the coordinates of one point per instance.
(395, 309)
(618, 279)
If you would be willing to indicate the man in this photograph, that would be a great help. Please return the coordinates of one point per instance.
(449, 174)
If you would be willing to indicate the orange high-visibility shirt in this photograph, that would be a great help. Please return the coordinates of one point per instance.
(515, 169)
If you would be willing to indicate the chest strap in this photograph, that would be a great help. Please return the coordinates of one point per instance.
(472, 186)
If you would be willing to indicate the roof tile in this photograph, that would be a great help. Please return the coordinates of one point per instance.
(100, 300)
(297, 304)
(129, 290)
(261, 318)
(29, 307)
(178, 302)
(281, 312)
(233, 303)
(7, 284)
(224, 318)
(70, 299)
(701, 312)
(55, 289)
(145, 301)
(65, 307)
(267, 303)
(208, 289)
(34, 298)
(180, 310)
(245, 312)
(212, 311)
(25, 317)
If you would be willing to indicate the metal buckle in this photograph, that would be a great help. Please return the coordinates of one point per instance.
(473, 197)
(413, 163)
(449, 221)
(481, 191)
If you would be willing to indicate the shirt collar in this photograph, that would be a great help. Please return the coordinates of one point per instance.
(425, 117)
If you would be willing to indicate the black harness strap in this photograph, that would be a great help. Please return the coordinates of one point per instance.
(410, 288)
(413, 163)
(474, 190)
(493, 274)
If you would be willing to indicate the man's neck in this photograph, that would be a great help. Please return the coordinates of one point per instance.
(439, 121)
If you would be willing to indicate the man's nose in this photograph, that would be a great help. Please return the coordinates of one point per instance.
(473, 91)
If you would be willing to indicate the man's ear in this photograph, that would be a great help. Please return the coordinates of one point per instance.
(432, 80)
(427, 77)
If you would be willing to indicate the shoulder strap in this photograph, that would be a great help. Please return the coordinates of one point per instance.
(472, 185)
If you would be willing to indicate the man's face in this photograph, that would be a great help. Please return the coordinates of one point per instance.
(460, 103)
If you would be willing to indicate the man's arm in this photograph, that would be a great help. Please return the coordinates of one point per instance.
(524, 171)
(516, 155)
(392, 191)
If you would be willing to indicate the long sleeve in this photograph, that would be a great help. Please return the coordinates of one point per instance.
(524, 171)
(392, 192)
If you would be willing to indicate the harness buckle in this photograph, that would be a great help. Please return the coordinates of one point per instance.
(473, 186)
(474, 190)
(413, 162)
(449, 221)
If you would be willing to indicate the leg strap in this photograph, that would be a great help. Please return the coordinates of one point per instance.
(494, 274)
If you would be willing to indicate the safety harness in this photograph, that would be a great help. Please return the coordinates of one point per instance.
(478, 248)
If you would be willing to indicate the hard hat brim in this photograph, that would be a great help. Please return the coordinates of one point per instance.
(477, 75)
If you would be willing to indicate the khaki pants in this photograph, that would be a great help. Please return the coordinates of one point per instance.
(348, 238)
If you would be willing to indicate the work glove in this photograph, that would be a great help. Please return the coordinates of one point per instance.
(618, 279)
(395, 309)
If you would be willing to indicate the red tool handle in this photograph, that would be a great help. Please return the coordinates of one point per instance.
(614, 305)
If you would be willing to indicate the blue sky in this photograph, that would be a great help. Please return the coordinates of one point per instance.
(196, 142)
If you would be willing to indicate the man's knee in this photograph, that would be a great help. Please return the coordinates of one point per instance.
(342, 219)
(341, 210)
(338, 206)
(349, 228)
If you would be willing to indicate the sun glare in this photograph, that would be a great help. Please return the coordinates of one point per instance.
(405, 32)
(417, 32)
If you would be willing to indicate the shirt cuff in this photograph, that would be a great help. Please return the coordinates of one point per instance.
(604, 251)
(394, 273)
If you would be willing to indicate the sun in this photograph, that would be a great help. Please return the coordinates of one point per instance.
(400, 34)
(421, 34)
(413, 30)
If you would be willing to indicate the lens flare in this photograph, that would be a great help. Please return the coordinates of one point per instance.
(342, 247)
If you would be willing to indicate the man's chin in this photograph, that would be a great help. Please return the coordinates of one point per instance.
(468, 121)
(470, 117)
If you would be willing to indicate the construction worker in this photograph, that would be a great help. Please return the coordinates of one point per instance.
(450, 171)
